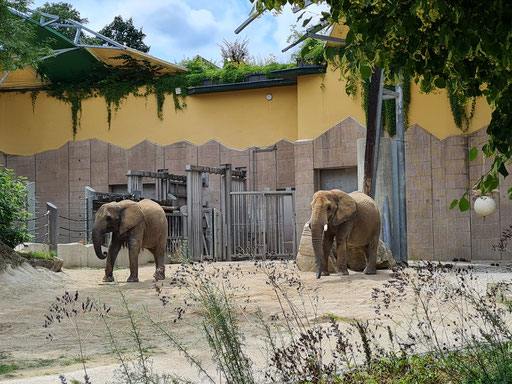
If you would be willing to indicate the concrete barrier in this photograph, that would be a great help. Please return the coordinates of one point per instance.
(32, 247)
(79, 255)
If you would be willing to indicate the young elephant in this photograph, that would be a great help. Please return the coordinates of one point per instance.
(137, 225)
(350, 218)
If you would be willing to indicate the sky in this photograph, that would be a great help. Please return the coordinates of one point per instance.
(180, 29)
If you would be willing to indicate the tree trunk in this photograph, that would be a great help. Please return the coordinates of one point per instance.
(371, 131)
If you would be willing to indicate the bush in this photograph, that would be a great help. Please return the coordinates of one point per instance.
(13, 215)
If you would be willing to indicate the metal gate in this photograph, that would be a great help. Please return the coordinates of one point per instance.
(263, 224)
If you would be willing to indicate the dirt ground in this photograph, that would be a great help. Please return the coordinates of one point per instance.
(26, 295)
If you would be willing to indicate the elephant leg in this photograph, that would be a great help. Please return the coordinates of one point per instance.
(327, 249)
(159, 254)
(342, 236)
(134, 250)
(113, 250)
(341, 259)
(371, 256)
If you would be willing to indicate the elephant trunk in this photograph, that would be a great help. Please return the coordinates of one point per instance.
(97, 239)
(317, 232)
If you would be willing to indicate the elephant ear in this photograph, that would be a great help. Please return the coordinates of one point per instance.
(347, 207)
(131, 215)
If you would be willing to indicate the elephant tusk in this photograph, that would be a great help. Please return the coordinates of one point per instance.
(325, 227)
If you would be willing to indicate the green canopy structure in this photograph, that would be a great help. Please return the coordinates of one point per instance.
(71, 59)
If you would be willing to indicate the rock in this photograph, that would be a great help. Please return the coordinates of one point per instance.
(9, 257)
(356, 257)
(357, 260)
(54, 265)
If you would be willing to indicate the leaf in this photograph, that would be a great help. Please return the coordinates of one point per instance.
(366, 71)
(463, 204)
(350, 37)
(503, 170)
(440, 82)
(473, 153)
(454, 203)
(306, 21)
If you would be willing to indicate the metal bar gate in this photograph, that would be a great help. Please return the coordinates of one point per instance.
(263, 224)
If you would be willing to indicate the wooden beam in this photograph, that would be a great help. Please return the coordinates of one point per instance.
(371, 130)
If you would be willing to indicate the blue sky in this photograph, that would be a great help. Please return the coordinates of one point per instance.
(177, 29)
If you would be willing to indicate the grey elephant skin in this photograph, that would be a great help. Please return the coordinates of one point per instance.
(138, 225)
(349, 218)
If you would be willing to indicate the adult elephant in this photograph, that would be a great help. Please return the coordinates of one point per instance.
(138, 225)
(351, 218)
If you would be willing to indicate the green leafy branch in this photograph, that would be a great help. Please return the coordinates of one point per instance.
(490, 181)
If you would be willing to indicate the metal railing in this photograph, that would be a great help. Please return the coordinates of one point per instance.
(263, 224)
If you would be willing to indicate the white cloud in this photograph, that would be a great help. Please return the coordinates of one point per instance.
(176, 29)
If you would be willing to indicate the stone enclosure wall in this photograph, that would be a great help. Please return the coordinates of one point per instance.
(437, 171)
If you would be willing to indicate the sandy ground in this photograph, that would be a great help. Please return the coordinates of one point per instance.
(26, 295)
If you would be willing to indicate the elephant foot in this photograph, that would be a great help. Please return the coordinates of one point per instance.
(343, 272)
(326, 273)
(370, 271)
(108, 279)
(133, 279)
(159, 273)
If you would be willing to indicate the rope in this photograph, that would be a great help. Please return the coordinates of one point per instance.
(73, 230)
(38, 228)
(79, 220)
(40, 217)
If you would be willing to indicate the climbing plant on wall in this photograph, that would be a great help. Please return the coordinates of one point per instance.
(141, 79)
(388, 106)
(459, 107)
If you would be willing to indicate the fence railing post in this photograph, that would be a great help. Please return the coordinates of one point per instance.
(52, 226)
(227, 208)
(90, 194)
(31, 207)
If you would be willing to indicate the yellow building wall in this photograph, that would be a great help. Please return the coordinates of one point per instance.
(323, 103)
(237, 119)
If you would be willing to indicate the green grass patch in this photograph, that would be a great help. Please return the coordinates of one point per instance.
(40, 255)
(8, 368)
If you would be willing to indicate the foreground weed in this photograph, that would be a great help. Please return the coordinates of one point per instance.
(70, 314)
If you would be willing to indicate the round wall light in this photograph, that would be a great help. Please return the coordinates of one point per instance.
(269, 96)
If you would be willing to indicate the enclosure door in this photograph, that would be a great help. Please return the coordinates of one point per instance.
(344, 179)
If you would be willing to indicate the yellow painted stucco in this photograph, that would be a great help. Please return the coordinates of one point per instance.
(238, 119)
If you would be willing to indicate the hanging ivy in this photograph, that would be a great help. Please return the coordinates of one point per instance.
(33, 99)
(459, 108)
(115, 84)
(388, 116)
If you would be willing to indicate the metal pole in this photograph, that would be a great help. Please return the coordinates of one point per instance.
(52, 226)
(90, 194)
(31, 206)
(395, 248)
(378, 125)
(227, 211)
(401, 171)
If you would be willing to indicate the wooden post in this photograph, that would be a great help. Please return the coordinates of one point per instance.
(371, 130)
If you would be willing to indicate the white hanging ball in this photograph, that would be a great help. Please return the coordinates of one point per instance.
(485, 205)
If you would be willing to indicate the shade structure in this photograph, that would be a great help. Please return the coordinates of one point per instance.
(72, 60)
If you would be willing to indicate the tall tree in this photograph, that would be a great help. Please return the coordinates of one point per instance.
(17, 46)
(124, 32)
(64, 11)
(465, 45)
